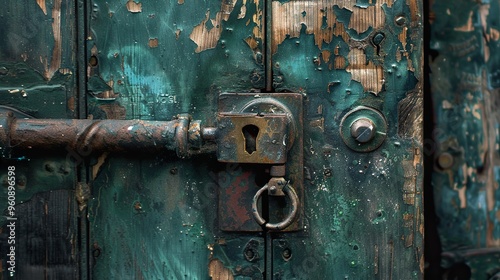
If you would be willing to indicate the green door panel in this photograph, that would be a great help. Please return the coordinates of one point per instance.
(37, 58)
(156, 60)
(37, 76)
(166, 58)
(364, 211)
(158, 222)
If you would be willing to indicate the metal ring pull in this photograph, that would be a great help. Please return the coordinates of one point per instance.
(290, 192)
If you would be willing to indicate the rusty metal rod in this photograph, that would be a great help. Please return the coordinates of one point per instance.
(93, 136)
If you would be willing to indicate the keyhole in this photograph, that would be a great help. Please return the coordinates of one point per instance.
(250, 133)
(377, 40)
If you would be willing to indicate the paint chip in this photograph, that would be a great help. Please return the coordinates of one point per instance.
(41, 4)
(134, 7)
(153, 43)
(217, 270)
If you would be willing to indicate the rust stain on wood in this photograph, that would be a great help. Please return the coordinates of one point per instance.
(134, 7)
(207, 38)
(217, 271)
(41, 4)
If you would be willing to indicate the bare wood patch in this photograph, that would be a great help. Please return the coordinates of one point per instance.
(134, 7)
(243, 10)
(41, 4)
(217, 271)
(362, 19)
(371, 76)
(207, 38)
(410, 183)
(153, 43)
(55, 62)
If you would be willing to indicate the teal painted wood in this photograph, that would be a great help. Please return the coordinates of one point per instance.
(364, 210)
(37, 76)
(464, 84)
(156, 217)
(37, 58)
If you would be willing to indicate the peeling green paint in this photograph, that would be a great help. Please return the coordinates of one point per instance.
(156, 218)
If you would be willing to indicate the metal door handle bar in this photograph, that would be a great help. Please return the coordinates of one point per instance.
(182, 135)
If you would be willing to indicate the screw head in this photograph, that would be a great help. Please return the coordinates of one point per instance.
(445, 160)
(400, 20)
(249, 255)
(363, 130)
(287, 254)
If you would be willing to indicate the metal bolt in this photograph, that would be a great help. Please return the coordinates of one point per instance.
(363, 130)
(49, 167)
(400, 20)
(287, 254)
(249, 255)
(445, 160)
(328, 172)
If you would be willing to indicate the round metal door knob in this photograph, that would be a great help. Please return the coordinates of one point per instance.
(363, 129)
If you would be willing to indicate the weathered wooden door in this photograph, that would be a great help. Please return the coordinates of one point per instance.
(339, 81)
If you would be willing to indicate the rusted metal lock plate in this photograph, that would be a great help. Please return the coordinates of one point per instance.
(255, 132)
(252, 138)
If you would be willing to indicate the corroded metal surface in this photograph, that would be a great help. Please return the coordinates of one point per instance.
(266, 144)
(239, 186)
(464, 59)
(97, 136)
